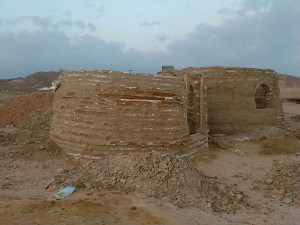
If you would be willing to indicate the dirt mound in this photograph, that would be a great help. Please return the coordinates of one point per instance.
(16, 111)
(156, 175)
(39, 120)
(283, 183)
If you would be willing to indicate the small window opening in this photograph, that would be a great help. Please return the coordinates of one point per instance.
(261, 96)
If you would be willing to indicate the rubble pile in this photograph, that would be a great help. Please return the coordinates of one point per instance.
(156, 175)
(39, 120)
(283, 183)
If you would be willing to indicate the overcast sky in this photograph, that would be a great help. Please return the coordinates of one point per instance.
(143, 35)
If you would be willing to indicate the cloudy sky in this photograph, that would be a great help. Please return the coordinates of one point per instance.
(143, 35)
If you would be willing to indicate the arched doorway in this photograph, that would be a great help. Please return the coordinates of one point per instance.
(191, 111)
(261, 96)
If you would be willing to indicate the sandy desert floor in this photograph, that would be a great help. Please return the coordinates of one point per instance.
(262, 164)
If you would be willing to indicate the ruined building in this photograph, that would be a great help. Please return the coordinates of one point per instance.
(105, 112)
(240, 98)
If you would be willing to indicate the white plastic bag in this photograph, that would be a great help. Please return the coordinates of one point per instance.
(64, 192)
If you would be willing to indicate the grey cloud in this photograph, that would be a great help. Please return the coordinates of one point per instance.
(246, 7)
(162, 37)
(224, 11)
(264, 40)
(65, 23)
(150, 24)
(42, 22)
(255, 4)
(98, 10)
(92, 27)
(67, 13)
(26, 52)
(80, 24)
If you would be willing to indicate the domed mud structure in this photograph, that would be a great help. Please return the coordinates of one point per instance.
(105, 112)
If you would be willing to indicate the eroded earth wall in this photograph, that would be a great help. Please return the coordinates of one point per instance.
(240, 98)
(99, 111)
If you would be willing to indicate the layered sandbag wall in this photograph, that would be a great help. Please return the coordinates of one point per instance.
(99, 112)
(240, 98)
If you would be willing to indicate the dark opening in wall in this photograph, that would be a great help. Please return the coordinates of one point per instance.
(191, 111)
(261, 96)
(294, 100)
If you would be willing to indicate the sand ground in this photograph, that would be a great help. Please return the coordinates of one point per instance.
(262, 163)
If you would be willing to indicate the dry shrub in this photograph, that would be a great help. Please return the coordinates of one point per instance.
(279, 146)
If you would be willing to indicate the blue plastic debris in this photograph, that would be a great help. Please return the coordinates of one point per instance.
(64, 192)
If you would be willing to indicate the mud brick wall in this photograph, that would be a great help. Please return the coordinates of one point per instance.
(240, 98)
(99, 111)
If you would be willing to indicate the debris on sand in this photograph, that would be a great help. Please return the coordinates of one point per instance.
(40, 120)
(64, 192)
(281, 183)
(155, 175)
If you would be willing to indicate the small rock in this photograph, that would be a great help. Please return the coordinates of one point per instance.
(59, 171)
(269, 181)
(123, 181)
(238, 196)
(51, 211)
(163, 165)
(208, 205)
(244, 177)
(281, 192)
(231, 193)
(287, 200)
(222, 188)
